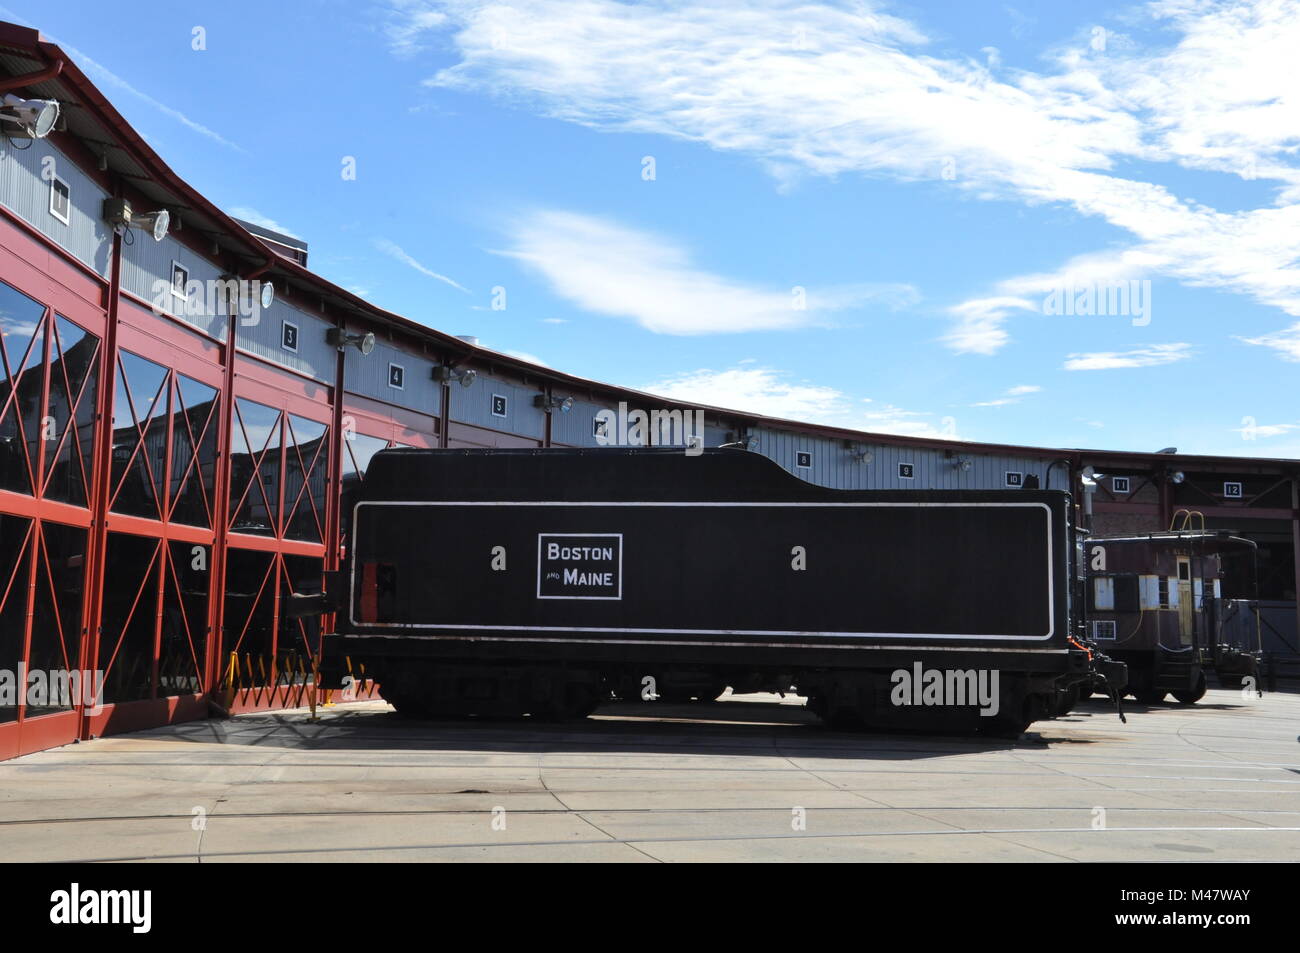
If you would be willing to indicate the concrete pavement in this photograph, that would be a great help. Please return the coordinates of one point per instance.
(746, 779)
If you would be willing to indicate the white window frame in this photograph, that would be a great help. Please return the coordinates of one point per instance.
(596, 429)
(286, 323)
(182, 294)
(492, 406)
(1109, 624)
(400, 367)
(904, 463)
(803, 453)
(56, 179)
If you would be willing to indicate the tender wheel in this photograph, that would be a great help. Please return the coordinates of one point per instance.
(1190, 696)
(1151, 696)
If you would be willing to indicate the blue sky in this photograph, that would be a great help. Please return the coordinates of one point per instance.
(859, 214)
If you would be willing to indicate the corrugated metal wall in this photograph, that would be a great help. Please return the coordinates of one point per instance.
(474, 405)
(367, 375)
(577, 427)
(314, 356)
(24, 192)
(146, 262)
(833, 464)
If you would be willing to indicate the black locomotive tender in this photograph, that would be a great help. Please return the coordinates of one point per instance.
(547, 581)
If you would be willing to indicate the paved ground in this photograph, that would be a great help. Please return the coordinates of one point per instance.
(1220, 781)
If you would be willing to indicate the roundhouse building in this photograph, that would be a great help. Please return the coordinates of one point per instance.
(171, 468)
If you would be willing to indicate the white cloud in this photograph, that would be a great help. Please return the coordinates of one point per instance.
(1152, 356)
(757, 390)
(763, 390)
(908, 423)
(250, 214)
(1286, 342)
(393, 250)
(1011, 395)
(609, 269)
(1253, 431)
(407, 24)
(828, 89)
(525, 356)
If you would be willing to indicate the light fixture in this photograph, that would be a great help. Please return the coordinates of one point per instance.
(268, 298)
(445, 374)
(860, 453)
(1089, 477)
(553, 403)
(118, 213)
(340, 339)
(155, 223)
(1177, 476)
(741, 441)
(962, 463)
(35, 118)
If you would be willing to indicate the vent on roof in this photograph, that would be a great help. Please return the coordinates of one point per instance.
(286, 246)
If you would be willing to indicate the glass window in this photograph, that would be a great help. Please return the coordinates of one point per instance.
(13, 600)
(21, 385)
(74, 379)
(249, 613)
(254, 468)
(357, 451)
(194, 452)
(302, 574)
(56, 612)
(306, 479)
(184, 637)
(126, 644)
(139, 442)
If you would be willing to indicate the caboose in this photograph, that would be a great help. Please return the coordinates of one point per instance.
(1155, 602)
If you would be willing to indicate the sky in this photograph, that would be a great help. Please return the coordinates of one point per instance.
(1065, 225)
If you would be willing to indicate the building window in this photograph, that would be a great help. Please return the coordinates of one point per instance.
(906, 471)
(1104, 629)
(803, 459)
(1163, 592)
(499, 404)
(1014, 478)
(1119, 485)
(180, 281)
(1232, 491)
(60, 200)
(397, 376)
(289, 336)
(599, 427)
